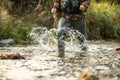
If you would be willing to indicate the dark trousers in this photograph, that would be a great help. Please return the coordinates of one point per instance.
(64, 26)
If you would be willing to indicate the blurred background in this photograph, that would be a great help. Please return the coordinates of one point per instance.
(17, 17)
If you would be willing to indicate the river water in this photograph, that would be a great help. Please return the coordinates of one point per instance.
(41, 61)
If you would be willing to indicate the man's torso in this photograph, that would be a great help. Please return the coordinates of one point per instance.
(70, 6)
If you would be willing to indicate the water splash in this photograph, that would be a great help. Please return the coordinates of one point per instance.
(44, 37)
(47, 39)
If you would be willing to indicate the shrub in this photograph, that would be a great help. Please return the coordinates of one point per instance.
(110, 1)
(14, 29)
(102, 20)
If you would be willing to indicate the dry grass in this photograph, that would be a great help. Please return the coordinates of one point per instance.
(3, 15)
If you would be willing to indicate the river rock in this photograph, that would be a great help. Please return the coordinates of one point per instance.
(7, 42)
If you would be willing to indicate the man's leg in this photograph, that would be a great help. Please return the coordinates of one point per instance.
(63, 29)
(80, 26)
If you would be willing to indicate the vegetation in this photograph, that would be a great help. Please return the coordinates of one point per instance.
(11, 27)
(16, 30)
(110, 1)
(17, 16)
(103, 20)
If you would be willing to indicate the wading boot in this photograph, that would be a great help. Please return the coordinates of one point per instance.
(61, 55)
(84, 47)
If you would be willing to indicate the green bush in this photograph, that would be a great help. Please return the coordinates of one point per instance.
(103, 20)
(14, 29)
(110, 1)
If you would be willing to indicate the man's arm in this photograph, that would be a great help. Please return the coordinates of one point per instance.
(84, 5)
(56, 5)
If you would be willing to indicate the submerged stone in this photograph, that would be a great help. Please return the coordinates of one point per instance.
(4, 42)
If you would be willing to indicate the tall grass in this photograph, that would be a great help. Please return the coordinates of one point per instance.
(11, 27)
(110, 1)
(103, 20)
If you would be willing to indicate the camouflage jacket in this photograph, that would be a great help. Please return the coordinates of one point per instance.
(61, 3)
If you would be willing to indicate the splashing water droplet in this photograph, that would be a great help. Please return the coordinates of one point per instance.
(47, 39)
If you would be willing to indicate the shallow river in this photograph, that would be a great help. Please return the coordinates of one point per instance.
(43, 64)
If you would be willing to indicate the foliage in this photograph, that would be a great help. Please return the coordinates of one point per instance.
(7, 4)
(110, 1)
(49, 4)
(16, 30)
(19, 7)
(102, 19)
(23, 7)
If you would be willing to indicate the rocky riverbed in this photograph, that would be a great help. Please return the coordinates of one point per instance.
(39, 64)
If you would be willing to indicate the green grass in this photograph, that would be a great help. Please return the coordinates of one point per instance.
(14, 29)
(103, 20)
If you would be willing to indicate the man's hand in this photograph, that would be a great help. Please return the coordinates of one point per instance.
(82, 8)
(53, 10)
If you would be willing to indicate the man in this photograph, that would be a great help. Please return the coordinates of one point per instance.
(70, 16)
